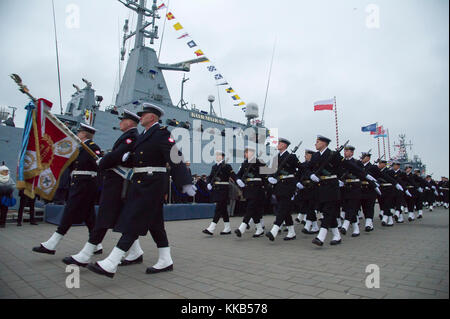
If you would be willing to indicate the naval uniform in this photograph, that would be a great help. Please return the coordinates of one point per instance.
(253, 191)
(351, 192)
(419, 199)
(143, 209)
(411, 187)
(368, 193)
(219, 180)
(399, 199)
(284, 189)
(444, 189)
(82, 192)
(111, 201)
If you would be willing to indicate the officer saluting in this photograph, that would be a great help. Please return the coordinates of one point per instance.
(143, 209)
(219, 185)
(112, 199)
(250, 179)
(82, 192)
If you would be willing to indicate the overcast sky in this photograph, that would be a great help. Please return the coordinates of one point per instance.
(396, 75)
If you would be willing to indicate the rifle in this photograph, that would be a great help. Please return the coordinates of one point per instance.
(328, 160)
(213, 178)
(245, 175)
(379, 159)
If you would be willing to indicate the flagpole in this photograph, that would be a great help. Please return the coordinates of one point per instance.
(57, 58)
(384, 148)
(336, 119)
(389, 144)
(379, 155)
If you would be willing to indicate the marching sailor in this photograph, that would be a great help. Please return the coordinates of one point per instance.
(143, 208)
(443, 188)
(412, 189)
(284, 181)
(113, 194)
(351, 194)
(430, 192)
(399, 199)
(388, 186)
(250, 179)
(308, 198)
(368, 192)
(82, 193)
(419, 199)
(219, 185)
(328, 164)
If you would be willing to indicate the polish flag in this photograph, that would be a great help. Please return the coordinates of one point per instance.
(324, 105)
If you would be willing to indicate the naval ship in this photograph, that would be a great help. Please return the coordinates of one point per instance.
(403, 157)
(143, 81)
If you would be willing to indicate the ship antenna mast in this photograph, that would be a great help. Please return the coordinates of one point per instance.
(141, 33)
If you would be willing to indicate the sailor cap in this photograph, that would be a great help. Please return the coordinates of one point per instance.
(308, 151)
(408, 166)
(151, 108)
(417, 170)
(383, 161)
(396, 163)
(323, 139)
(284, 140)
(349, 147)
(86, 128)
(129, 115)
(4, 168)
(364, 154)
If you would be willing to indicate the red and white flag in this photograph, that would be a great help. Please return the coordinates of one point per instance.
(324, 105)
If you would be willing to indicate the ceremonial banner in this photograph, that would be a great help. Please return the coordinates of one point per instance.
(43, 166)
(369, 128)
(324, 105)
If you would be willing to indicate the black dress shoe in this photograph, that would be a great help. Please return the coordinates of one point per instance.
(355, 235)
(289, 238)
(248, 226)
(297, 220)
(70, 261)
(305, 231)
(238, 233)
(335, 242)
(400, 222)
(303, 222)
(383, 224)
(343, 231)
(257, 236)
(207, 232)
(369, 229)
(41, 249)
(99, 270)
(390, 225)
(285, 230)
(317, 241)
(380, 217)
(138, 260)
(270, 236)
(225, 233)
(98, 252)
(419, 217)
(151, 270)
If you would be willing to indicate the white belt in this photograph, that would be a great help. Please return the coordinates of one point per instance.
(352, 180)
(287, 176)
(444, 188)
(124, 172)
(328, 177)
(386, 184)
(85, 173)
(221, 183)
(149, 170)
(256, 179)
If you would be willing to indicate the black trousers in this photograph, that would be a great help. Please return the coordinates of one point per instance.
(3, 213)
(398, 201)
(159, 237)
(24, 202)
(283, 211)
(368, 207)
(387, 202)
(311, 210)
(351, 206)
(330, 211)
(254, 210)
(67, 222)
(221, 211)
(410, 203)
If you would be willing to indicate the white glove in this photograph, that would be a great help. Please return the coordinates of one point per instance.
(272, 180)
(371, 178)
(293, 196)
(420, 189)
(408, 193)
(209, 187)
(442, 194)
(399, 187)
(300, 185)
(240, 183)
(98, 161)
(436, 193)
(189, 189)
(377, 189)
(341, 184)
(427, 188)
(125, 157)
(433, 187)
(314, 178)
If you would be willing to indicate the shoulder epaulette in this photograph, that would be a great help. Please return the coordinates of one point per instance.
(163, 128)
(91, 143)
